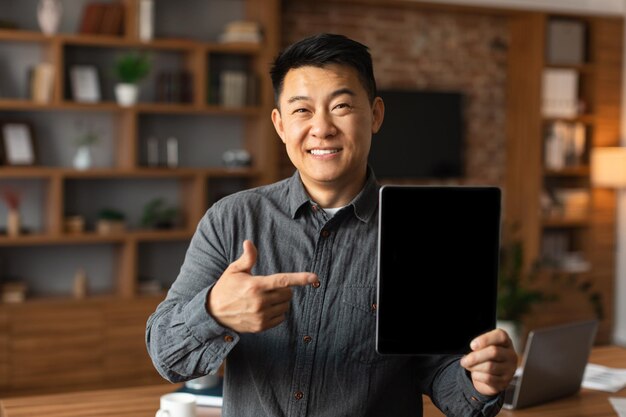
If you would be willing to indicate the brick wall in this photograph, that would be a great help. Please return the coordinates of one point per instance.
(430, 50)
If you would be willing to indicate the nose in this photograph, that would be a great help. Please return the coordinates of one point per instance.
(323, 126)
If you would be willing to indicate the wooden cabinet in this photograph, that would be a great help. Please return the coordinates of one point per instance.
(46, 337)
(567, 226)
(60, 345)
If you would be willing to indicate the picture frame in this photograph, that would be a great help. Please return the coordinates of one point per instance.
(85, 83)
(18, 144)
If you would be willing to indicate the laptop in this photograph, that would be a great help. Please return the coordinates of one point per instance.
(553, 364)
(438, 249)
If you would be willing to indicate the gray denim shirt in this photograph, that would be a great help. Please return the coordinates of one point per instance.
(321, 361)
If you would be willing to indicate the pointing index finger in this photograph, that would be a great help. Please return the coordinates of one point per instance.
(290, 279)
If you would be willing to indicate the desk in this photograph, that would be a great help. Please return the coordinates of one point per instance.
(144, 401)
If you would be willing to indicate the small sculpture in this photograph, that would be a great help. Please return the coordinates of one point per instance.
(49, 15)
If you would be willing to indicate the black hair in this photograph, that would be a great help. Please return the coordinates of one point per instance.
(321, 50)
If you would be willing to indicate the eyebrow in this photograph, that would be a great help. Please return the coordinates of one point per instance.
(334, 94)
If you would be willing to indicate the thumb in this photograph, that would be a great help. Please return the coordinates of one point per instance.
(247, 259)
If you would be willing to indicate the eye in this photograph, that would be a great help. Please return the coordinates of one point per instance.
(301, 110)
(342, 108)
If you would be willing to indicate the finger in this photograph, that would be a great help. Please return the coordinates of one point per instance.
(247, 259)
(492, 353)
(491, 368)
(289, 279)
(494, 337)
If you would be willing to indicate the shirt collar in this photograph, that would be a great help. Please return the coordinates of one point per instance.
(364, 204)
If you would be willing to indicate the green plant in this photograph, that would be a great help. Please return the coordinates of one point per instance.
(111, 214)
(515, 300)
(516, 294)
(87, 138)
(132, 67)
(158, 215)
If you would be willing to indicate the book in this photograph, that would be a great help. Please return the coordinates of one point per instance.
(566, 40)
(207, 397)
(92, 18)
(233, 88)
(42, 83)
(560, 92)
(112, 20)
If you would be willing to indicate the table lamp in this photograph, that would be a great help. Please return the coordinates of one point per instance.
(608, 169)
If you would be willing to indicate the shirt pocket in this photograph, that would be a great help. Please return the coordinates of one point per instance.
(357, 325)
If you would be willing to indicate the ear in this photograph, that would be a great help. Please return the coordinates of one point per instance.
(378, 114)
(278, 124)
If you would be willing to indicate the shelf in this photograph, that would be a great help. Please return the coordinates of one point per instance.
(561, 223)
(24, 36)
(146, 108)
(574, 171)
(96, 238)
(587, 119)
(106, 41)
(585, 68)
(69, 300)
(48, 172)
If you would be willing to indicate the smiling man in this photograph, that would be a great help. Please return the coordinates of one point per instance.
(280, 280)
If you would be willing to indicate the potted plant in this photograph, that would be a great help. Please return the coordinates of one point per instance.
(130, 69)
(515, 299)
(111, 221)
(84, 141)
(157, 215)
(517, 296)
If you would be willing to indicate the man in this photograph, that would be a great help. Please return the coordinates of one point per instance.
(294, 313)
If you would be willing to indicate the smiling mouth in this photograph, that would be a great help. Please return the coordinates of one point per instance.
(320, 152)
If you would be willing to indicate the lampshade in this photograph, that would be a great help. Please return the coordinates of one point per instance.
(608, 167)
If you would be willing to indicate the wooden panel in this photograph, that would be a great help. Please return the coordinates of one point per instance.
(523, 177)
(606, 51)
(126, 355)
(4, 350)
(55, 347)
(76, 345)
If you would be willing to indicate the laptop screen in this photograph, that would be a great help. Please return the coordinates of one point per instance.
(553, 363)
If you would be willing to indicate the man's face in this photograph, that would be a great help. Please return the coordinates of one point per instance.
(326, 122)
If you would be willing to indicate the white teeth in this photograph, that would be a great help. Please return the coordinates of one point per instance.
(323, 151)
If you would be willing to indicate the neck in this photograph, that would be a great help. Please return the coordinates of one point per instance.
(332, 195)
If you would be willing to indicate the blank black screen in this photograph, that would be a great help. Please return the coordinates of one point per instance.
(421, 135)
(438, 267)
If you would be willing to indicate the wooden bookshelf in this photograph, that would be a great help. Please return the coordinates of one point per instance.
(102, 335)
(593, 235)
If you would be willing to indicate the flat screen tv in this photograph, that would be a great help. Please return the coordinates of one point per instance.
(421, 136)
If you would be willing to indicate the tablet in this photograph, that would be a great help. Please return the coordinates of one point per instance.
(438, 252)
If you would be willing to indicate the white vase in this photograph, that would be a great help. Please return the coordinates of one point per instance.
(126, 94)
(49, 15)
(82, 159)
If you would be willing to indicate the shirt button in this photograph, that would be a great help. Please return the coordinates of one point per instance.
(307, 339)
(228, 338)
(314, 208)
(298, 395)
(325, 233)
(316, 284)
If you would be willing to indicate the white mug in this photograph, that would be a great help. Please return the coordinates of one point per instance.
(177, 404)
